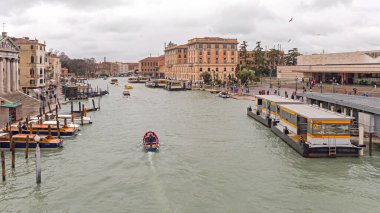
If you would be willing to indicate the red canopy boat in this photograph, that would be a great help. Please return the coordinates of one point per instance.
(150, 141)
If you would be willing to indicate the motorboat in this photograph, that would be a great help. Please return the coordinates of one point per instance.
(150, 142)
(126, 93)
(224, 95)
(114, 81)
(128, 87)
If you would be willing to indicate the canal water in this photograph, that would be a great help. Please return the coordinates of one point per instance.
(213, 158)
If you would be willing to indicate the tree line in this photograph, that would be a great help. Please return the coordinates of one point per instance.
(81, 67)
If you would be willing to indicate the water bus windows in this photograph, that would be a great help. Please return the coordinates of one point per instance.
(328, 129)
(288, 117)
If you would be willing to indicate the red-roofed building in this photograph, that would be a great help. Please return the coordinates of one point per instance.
(151, 67)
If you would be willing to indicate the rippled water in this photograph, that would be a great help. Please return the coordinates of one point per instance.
(213, 158)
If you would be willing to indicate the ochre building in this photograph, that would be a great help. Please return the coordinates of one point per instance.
(218, 56)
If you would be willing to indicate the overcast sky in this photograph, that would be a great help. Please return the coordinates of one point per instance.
(129, 30)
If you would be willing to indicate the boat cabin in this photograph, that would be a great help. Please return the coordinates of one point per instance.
(316, 126)
(267, 105)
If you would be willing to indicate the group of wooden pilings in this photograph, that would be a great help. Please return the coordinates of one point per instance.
(12, 145)
(13, 159)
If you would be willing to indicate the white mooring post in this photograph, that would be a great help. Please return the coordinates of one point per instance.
(361, 140)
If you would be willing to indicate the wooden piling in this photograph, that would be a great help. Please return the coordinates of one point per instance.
(93, 104)
(72, 117)
(27, 147)
(19, 128)
(13, 154)
(40, 112)
(370, 144)
(58, 130)
(49, 131)
(49, 107)
(7, 127)
(46, 117)
(3, 164)
(43, 108)
(72, 107)
(56, 113)
(81, 116)
(80, 107)
(99, 104)
(59, 104)
(65, 123)
(38, 164)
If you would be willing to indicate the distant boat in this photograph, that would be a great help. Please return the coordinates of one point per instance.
(224, 95)
(114, 81)
(126, 93)
(150, 142)
(128, 87)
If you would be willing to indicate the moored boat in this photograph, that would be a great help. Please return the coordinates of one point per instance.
(224, 95)
(43, 129)
(150, 142)
(21, 140)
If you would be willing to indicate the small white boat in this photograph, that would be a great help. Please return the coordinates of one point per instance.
(61, 124)
(224, 95)
(77, 120)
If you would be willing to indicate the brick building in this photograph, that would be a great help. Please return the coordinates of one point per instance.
(151, 67)
(218, 56)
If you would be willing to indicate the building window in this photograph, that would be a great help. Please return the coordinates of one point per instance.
(40, 48)
(31, 72)
(225, 69)
(224, 52)
(185, 56)
(208, 53)
(208, 69)
(216, 46)
(200, 60)
(32, 82)
(200, 69)
(40, 59)
(232, 69)
(217, 69)
(32, 59)
(31, 47)
(217, 60)
(41, 71)
(232, 60)
(208, 46)
(200, 52)
(225, 60)
(224, 46)
(208, 60)
(41, 81)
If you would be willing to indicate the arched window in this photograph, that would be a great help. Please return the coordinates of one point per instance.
(32, 59)
(40, 59)
(41, 71)
(31, 71)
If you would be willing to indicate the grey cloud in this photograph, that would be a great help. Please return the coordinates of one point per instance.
(324, 4)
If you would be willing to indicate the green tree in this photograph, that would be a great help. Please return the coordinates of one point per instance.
(274, 60)
(246, 75)
(206, 76)
(243, 50)
(291, 57)
(259, 61)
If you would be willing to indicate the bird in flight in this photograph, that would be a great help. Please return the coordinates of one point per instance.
(289, 40)
(291, 19)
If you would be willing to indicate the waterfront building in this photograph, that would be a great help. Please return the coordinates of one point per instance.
(150, 66)
(32, 65)
(108, 68)
(218, 56)
(53, 67)
(14, 104)
(362, 67)
(127, 68)
(64, 72)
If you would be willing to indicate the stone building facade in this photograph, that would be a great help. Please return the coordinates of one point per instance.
(348, 68)
(218, 56)
(9, 63)
(32, 64)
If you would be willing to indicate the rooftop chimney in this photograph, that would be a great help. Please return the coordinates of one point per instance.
(4, 34)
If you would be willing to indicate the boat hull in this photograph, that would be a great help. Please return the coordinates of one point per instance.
(315, 152)
(53, 133)
(32, 145)
(266, 122)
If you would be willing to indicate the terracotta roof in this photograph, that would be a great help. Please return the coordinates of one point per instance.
(26, 40)
(150, 59)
